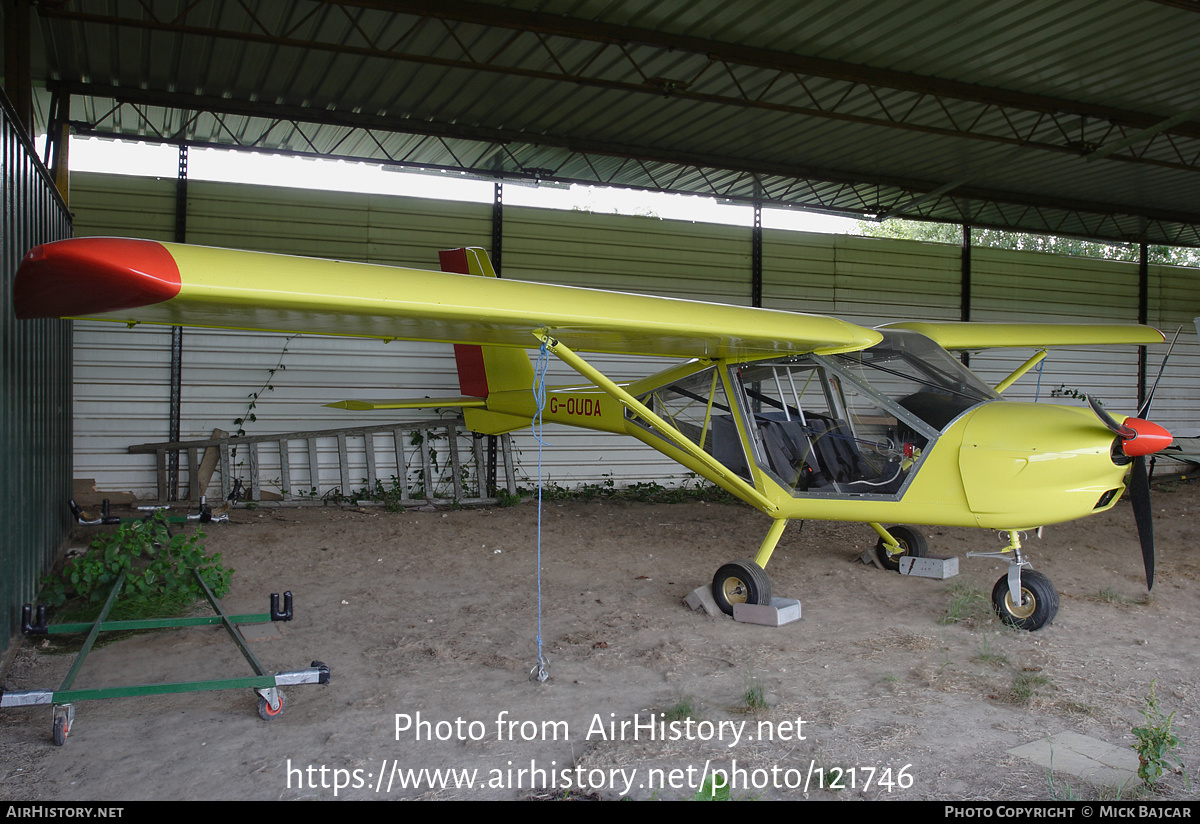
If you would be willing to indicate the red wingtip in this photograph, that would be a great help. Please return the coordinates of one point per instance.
(91, 275)
(1150, 438)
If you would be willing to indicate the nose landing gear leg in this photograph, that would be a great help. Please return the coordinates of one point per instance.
(1022, 598)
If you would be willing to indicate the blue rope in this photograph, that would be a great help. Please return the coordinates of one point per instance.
(539, 398)
(1038, 391)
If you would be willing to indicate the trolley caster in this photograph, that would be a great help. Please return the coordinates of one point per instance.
(269, 711)
(64, 718)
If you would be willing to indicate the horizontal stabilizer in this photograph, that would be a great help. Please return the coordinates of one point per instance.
(406, 403)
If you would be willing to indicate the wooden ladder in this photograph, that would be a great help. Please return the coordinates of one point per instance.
(414, 449)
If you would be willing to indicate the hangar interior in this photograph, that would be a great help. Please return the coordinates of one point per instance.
(1063, 118)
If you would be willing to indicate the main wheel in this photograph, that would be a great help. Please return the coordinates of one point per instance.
(264, 707)
(740, 582)
(912, 543)
(1039, 601)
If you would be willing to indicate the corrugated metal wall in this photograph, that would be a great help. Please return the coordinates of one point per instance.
(35, 387)
(866, 280)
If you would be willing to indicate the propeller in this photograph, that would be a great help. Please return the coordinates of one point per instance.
(1139, 438)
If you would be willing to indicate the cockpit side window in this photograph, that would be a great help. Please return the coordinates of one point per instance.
(696, 405)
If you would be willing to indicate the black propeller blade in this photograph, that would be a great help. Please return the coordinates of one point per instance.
(1139, 496)
(1141, 413)
(1139, 478)
(1120, 430)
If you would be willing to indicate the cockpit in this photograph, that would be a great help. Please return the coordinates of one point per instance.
(853, 424)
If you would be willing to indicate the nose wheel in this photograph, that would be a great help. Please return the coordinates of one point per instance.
(1036, 606)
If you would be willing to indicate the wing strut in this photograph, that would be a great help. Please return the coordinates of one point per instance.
(567, 356)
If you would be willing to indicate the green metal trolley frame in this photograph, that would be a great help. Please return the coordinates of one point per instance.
(271, 700)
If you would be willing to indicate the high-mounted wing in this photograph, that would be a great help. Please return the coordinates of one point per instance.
(142, 281)
(961, 336)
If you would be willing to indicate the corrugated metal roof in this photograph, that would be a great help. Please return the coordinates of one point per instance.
(1073, 117)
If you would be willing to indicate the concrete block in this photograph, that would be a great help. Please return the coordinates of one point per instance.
(701, 598)
(931, 567)
(779, 612)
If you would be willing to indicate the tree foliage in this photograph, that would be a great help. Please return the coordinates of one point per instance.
(1026, 242)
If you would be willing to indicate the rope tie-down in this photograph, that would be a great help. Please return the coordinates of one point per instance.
(541, 670)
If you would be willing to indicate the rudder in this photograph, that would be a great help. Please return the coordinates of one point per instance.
(484, 369)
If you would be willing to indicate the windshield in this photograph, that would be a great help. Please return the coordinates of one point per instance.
(919, 375)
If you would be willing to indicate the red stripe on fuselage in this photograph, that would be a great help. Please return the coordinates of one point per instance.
(93, 275)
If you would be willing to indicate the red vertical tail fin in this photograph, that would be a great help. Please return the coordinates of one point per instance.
(485, 369)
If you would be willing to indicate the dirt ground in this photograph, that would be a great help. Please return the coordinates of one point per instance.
(429, 623)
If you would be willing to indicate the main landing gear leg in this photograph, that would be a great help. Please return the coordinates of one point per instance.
(1022, 598)
(745, 581)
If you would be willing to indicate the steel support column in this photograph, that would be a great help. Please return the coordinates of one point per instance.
(177, 331)
(1143, 315)
(497, 250)
(964, 292)
(756, 258)
(18, 71)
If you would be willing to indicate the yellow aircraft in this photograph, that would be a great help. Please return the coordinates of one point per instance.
(801, 416)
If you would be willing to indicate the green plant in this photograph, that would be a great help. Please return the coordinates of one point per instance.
(158, 571)
(754, 700)
(986, 656)
(1156, 742)
(708, 792)
(1058, 790)
(248, 416)
(967, 605)
(1025, 686)
(692, 489)
(683, 709)
(1109, 595)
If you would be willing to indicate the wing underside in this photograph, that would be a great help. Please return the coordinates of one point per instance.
(138, 281)
(973, 336)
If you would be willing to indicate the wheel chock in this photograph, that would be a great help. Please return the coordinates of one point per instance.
(929, 567)
(775, 614)
(701, 598)
(869, 558)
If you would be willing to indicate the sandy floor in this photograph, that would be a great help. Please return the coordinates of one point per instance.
(429, 623)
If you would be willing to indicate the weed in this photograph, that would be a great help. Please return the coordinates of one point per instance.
(1025, 686)
(754, 700)
(248, 416)
(692, 489)
(967, 605)
(1109, 595)
(1059, 792)
(986, 656)
(708, 792)
(1156, 742)
(158, 573)
(683, 709)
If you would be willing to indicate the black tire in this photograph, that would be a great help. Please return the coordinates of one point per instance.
(1039, 601)
(60, 731)
(912, 543)
(740, 582)
(264, 709)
